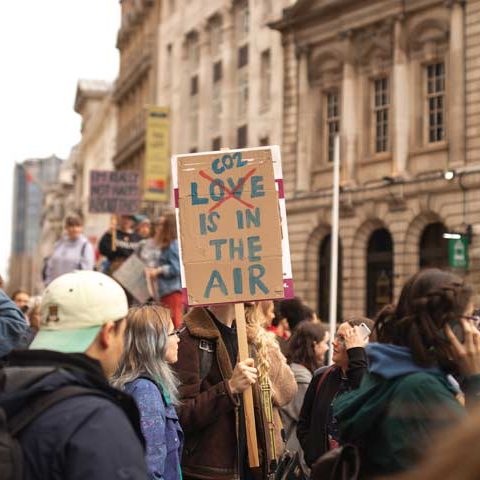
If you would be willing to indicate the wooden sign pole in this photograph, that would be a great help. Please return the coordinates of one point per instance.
(252, 445)
(113, 225)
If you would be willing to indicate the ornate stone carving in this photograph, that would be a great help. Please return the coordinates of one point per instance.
(374, 45)
(430, 33)
(325, 65)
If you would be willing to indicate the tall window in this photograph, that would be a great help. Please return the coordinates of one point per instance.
(242, 82)
(332, 120)
(216, 37)
(194, 106)
(217, 143)
(193, 52)
(217, 96)
(436, 101)
(242, 22)
(194, 63)
(265, 79)
(381, 106)
(242, 136)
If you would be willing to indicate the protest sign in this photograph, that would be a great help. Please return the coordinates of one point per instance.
(114, 192)
(233, 234)
(131, 275)
(157, 146)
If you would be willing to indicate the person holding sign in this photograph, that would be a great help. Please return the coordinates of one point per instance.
(126, 241)
(212, 381)
(167, 272)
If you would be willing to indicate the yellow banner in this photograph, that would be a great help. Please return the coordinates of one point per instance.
(157, 155)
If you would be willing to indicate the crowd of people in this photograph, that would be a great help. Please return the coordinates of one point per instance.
(93, 385)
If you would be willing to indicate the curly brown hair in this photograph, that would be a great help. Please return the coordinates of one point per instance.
(428, 301)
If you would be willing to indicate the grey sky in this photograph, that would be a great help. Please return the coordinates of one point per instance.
(46, 46)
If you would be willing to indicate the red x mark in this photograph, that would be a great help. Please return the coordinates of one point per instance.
(231, 193)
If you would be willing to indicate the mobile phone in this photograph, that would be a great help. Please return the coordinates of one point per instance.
(364, 330)
(457, 329)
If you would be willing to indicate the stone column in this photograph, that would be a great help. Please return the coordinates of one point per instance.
(205, 92)
(456, 129)
(229, 87)
(348, 118)
(303, 163)
(400, 93)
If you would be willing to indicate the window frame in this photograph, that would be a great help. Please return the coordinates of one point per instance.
(375, 109)
(428, 96)
(328, 140)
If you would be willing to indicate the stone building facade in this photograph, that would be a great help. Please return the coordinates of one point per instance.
(135, 87)
(97, 148)
(220, 71)
(400, 82)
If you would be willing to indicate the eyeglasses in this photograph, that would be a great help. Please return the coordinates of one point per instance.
(475, 318)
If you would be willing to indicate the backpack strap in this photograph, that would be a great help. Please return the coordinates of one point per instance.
(82, 254)
(324, 376)
(43, 402)
(206, 350)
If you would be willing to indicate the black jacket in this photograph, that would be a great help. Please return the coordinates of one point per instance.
(126, 243)
(81, 437)
(312, 422)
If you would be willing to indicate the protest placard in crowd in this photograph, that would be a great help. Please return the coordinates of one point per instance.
(114, 192)
(131, 275)
(232, 226)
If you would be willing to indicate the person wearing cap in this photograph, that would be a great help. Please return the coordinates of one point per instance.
(92, 435)
(126, 241)
(143, 226)
(72, 252)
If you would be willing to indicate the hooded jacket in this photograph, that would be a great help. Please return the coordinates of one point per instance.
(87, 436)
(13, 326)
(398, 408)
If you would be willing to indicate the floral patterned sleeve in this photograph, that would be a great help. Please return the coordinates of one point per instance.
(152, 419)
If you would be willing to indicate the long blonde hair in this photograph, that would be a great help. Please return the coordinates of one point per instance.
(146, 342)
(263, 341)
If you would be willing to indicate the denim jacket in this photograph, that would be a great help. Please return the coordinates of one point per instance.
(161, 429)
(169, 280)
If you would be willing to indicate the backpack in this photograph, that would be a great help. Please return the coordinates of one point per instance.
(11, 456)
(342, 463)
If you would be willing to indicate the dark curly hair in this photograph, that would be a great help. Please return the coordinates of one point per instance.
(301, 346)
(428, 301)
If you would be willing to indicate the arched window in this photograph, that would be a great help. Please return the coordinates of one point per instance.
(379, 271)
(324, 256)
(433, 247)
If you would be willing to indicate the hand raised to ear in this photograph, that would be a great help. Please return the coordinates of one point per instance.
(467, 354)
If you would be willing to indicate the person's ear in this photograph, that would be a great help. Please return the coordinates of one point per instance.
(106, 334)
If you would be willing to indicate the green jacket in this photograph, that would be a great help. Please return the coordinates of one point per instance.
(395, 412)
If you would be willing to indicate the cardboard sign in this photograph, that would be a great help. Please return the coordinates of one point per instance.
(114, 192)
(232, 226)
(131, 275)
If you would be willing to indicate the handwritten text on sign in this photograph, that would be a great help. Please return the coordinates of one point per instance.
(114, 191)
(230, 227)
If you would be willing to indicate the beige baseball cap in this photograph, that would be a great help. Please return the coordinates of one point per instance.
(74, 308)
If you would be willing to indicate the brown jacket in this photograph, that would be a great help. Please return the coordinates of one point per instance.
(209, 410)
